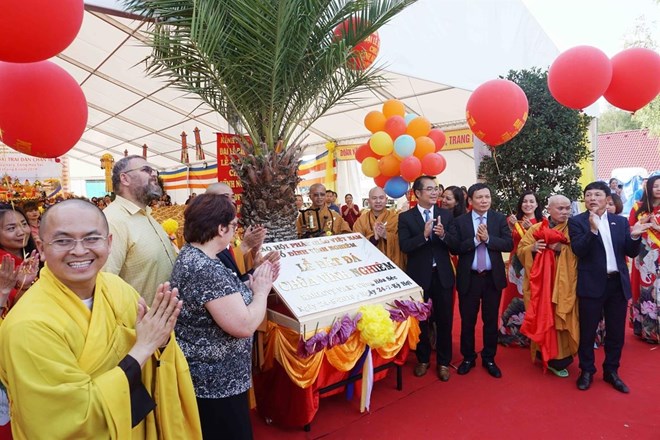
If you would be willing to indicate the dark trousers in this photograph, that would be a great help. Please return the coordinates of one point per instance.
(443, 316)
(613, 306)
(226, 418)
(482, 291)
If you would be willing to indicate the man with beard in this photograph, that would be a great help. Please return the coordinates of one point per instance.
(142, 253)
(551, 317)
(381, 226)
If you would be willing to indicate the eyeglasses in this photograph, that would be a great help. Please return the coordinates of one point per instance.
(145, 168)
(67, 244)
(431, 189)
(233, 224)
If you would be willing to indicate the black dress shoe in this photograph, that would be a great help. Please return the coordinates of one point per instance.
(465, 367)
(420, 369)
(615, 380)
(493, 369)
(584, 381)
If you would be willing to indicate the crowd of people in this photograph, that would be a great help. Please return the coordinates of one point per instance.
(101, 312)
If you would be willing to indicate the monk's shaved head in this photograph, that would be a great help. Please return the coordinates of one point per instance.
(68, 205)
(220, 188)
(558, 198)
(559, 208)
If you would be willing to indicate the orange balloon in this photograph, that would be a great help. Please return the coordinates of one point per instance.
(423, 146)
(389, 165)
(394, 107)
(375, 121)
(419, 126)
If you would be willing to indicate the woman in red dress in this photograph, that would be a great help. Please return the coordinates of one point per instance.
(19, 264)
(527, 213)
(350, 211)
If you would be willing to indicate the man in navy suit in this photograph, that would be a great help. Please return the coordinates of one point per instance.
(601, 242)
(422, 237)
(479, 238)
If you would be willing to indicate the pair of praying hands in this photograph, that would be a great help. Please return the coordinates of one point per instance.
(434, 226)
(380, 230)
(253, 239)
(482, 233)
(154, 324)
(19, 278)
(512, 220)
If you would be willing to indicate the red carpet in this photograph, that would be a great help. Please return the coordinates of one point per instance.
(524, 403)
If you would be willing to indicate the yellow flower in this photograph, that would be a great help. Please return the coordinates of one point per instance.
(376, 327)
(170, 225)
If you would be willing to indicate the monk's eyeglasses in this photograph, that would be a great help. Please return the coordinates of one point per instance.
(67, 244)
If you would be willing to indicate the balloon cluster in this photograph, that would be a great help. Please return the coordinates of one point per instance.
(43, 111)
(496, 111)
(582, 74)
(403, 146)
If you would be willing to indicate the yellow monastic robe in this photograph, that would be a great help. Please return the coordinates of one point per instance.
(59, 361)
(390, 244)
(312, 223)
(563, 295)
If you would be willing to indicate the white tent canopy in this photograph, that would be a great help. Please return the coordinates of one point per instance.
(434, 53)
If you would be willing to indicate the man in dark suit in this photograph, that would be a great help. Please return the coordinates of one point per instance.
(422, 237)
(601, 242)
(480, 237)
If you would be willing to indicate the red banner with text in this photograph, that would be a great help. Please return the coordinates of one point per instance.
(227, 146)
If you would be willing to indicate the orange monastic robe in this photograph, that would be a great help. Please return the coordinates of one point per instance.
(388, 245)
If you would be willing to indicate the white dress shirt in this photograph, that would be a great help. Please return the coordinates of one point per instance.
(606, 236)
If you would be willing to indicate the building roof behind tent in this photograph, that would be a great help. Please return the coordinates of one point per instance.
(434, 53)
(629, 149)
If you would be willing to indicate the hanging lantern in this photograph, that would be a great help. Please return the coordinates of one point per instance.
(199, 151)
(184, 149)
(144, 151)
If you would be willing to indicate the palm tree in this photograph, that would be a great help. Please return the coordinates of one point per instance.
(271, 68)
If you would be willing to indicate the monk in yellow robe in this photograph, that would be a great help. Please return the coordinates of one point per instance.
(319, 220)
(381, 226)
(82, 356)
(562, 306)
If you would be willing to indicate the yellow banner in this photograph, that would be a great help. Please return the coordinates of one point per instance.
(458, 139)
(345, 152)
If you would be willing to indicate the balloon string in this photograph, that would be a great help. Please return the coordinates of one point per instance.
(499, 174)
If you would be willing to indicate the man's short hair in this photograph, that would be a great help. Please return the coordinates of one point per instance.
(417, 184)
(120, 166)
(598, 185)
(476, 187)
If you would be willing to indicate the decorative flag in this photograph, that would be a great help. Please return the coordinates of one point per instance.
(199, 151)
(184, 149)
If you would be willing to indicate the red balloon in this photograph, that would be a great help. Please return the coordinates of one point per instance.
(365, 51)
(411, 168)
(579, 76)
(433, 164)
(35, 30)
(438, 137)
(497, 111)
(635, 79)
(381, 180)
(365, 151)
(395, 126)
(43, 111)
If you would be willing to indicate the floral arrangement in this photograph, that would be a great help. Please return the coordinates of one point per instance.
(376, 327)
(375, 323)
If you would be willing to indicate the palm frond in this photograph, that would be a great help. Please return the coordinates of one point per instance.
(275, 64)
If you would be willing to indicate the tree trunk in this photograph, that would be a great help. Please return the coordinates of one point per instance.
(269, 183)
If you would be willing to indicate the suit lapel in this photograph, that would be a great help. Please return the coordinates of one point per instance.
(419, 220)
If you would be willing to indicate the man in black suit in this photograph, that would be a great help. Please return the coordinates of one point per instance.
(422, 237)
(480, 237)
(601, 242)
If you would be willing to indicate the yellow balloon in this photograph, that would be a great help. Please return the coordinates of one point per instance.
(381, 143)
(393, 107)
(370, 167)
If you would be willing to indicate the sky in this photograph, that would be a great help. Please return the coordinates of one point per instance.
(599, 23)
